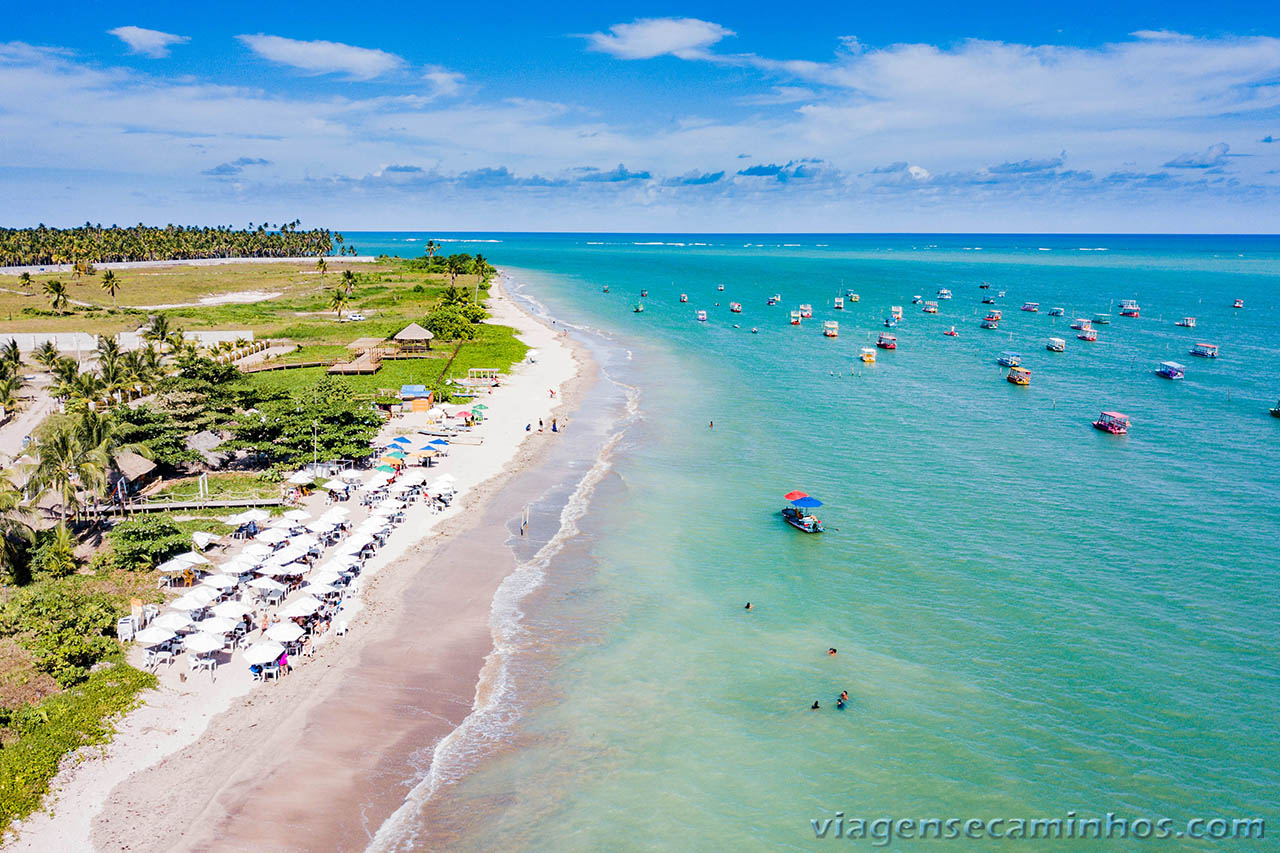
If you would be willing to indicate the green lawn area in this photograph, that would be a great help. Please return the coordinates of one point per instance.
(225, 486)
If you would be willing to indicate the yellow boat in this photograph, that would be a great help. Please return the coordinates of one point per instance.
(868, 355)
(1019, 376)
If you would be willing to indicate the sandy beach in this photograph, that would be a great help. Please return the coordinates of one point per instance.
(318, 760)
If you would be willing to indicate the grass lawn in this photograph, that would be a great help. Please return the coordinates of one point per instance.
(225, 486)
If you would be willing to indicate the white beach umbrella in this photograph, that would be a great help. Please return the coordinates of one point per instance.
(351, 475)
(282, 523)
(204, 539)
(275, 570)
(321, 526)
(272, 535)
(154, 636)
(302, 478)
(237, 565)
(322, 578)
(257, 551)
(289, 553)
(285, 632)
(203, 643)
(173, 566)
(195, 558)
(266, 584)
(334, 485)
(266, 651)
(217, 625)
(249, 516)
(319, 589)
(304, 606)
(203, 594)
(187, 602)
(297, 515)
(231, 609)
(220, 582)
(335, 513)
(305, 542)
(339, 563)
(355, 544)
(174, 620)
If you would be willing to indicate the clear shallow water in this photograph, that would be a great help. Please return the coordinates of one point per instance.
(1032, 617)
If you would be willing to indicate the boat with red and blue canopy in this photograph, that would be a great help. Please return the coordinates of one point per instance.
(798, 515)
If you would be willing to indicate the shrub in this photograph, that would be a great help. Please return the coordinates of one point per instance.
(474, 312)
(449, 323)
(140, 544)
(54, 554)
(67, 629)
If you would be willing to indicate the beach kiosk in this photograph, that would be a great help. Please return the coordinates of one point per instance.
(413, 339)
(416, 398)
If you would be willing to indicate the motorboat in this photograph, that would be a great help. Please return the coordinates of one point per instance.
(943, 293)
(605, 289)
(1205, 350)
(643, 294)
(1056, 345)
(702, 316)
(719, 287)
(887, 341)
(930, 308)
(639, 309)
(895, 311)
(868, 355)
(735, 307)
(1102, 319)
(917, 299)
(1171, 370)
(1009, 359)
(1112, 422)
(1080, 323)
(990, 322)
(1239, 303)
(795, 318)
(1186, 323)
(952, 333)
(1129, 308)
(1031, 307)
(684, 297)
(851, 296)
(984, 286)
(988, 300)
(1056, 312)
(831, 329)
(1088, 335)
(806, 311)
(890, 321)
(838, 303)
(1019, 376)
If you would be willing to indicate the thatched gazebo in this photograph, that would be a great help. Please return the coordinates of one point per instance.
(413, 338)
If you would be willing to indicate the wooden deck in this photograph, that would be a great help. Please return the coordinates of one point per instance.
(165, 506)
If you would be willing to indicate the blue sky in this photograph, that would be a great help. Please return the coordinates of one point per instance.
(702, 116)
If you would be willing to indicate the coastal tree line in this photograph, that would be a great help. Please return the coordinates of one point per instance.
(89, 243)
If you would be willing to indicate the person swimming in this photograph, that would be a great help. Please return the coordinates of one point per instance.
(831, 652)
(844, 695)
(748, 607)
(815, 706)
(840, 704)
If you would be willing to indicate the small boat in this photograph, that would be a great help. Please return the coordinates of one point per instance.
(1171, 370)
(795, 318)
(1019, 376)
(943, 293)
(831, 329)
(798, 517)
(1129, 308)
(1205, 350)
(990, 322)
(735, 307)
(952, 333)
(917, 299)
(988, 300)
(1186, 323)
(851, 296)
(1031, 307)
(887, 341)
(643, 294)
(890, 321)
(606, 288)
(775, 299)
(930, 308)
(1239, 303)
(1102, 319)
(1056, 345)
(754, 330)
(838, 303)
(684, 297)
(1112, 422)
(1009, 359)
(806, 311)
(737, 325)
(895, 311)
(1275, 412)
(1000, 293)
(1088, 335)
(639, 309)
(719, 287)
(984, 286)
(1080, 323)
(1056, 312)
(868, 355)
(702, 316)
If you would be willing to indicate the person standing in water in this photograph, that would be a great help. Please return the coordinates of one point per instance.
(748, 607)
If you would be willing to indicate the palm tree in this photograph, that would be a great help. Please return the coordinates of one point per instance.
(57, 293)
(348, 280)
(65, 373)
(16, 532)
(108, 350)
(323, 267)
(25, 280)
(480, 269)
(101, 432)
(9, 393)
(65, 466)
(454, 266)
(432, 246)
(11, 355)
(338, 300)
(175, 339)
(110, 283)
(453, 295)
(46, 355)
(158, 332)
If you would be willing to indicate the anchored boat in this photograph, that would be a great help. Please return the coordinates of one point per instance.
(831, 329)
(684, 297)
(1239, 303)
(1186, 323)
(838, 303)
(1102, 319)
(952, 333)
(1171, 370)
(1129, 308)
(990, 321)
(1112, 422)
(1031, 307)
(795, 318)
(639, 309)
(988, 300)
(735, 307)
(1009, 359)
(868, 355)
(702, 316)
(1080, 324)
(1088, 335)
(1205, 350)
(1056, 312)
(1056, 345)
(895, 311)
(887, 341)
(930, 308)
(851, 296)
(1019, 376)
(943, 293)
(798, 515)
(806, 311)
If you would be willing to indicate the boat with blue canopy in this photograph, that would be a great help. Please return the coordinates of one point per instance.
(798, 514)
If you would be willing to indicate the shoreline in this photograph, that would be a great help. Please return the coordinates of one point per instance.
(217, 737)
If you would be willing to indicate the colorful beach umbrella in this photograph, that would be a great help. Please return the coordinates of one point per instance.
(386, 469)
(401, 440)
(396, 454)
(439, 442)
(793, 496)
(806, 502)
(479, 407)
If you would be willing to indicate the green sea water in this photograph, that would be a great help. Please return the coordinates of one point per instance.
(1034, 620)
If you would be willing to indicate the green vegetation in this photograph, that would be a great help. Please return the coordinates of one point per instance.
(36, 737)
(91, 244)
(226, 486)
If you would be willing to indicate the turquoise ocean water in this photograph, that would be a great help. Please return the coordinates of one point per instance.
(1033, 618)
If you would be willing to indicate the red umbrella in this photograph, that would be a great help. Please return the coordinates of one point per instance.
(791, 496)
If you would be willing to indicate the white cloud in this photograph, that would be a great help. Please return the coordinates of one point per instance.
(645, 38)
(323, 57)
(1212, 157)
(447, 83)
(151, 43)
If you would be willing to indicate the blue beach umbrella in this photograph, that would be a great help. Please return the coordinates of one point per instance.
(439, 441)
(401, 440)
(806, 502)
